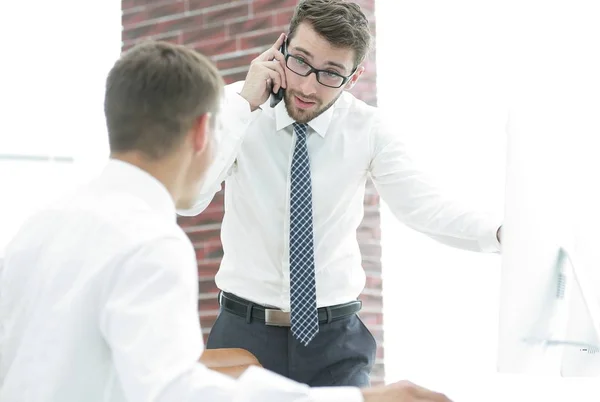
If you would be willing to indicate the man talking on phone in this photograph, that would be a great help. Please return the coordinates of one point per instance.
(295, 179)
(98, 297)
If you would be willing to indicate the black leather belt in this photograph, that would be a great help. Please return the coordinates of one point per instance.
(275, 317)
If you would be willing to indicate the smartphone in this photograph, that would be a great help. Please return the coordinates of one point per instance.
(277, 97)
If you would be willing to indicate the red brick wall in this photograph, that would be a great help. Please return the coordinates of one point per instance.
(232, 33)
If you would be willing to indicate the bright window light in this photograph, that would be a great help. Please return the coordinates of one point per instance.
(52, 131)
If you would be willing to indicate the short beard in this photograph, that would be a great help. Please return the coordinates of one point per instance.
(304, 116)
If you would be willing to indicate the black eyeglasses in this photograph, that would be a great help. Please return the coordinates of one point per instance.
(324, 77)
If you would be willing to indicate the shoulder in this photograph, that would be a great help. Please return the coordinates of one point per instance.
(117, 219)
(134, 221)
(356, 111)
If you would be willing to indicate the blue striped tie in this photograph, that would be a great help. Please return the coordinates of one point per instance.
(303, 300)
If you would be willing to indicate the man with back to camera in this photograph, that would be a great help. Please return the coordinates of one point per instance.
(99, 291)
(295, 179)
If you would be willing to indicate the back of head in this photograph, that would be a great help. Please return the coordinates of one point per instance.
(154, 94)
(342, 23)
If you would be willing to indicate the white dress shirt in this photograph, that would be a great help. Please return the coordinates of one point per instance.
(98, 302)
(346, 144)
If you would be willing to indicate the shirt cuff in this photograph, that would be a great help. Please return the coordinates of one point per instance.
(488, 242)
(336, 394)
(258, 384)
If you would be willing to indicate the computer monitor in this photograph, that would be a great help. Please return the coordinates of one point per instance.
(549, 298)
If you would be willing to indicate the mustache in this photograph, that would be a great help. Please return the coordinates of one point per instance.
(311, 98)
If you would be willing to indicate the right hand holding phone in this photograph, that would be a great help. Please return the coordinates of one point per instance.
(266, 74)
(403, 391)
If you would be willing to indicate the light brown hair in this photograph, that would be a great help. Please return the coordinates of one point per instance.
(154, 94)
(341, 23)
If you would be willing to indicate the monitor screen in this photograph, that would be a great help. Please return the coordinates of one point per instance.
(550, 287)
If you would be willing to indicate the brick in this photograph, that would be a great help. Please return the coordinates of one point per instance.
(372, 25)
(225, 14)
(363, 235)
(209, 250)
(213, 48)
(208, 286)
(172, 37)
(215, 207)
(367, 234)
(371, 266)
(208, 268)
(162, 27)
(127, 4)
(365, 88)
(230, 78)
(367, 6)
(204, 234)
(204, 34)
(371, 217)
(133, 18)
(239, 61)
(376, 261)
(212, 214)
(366, 94)
(261, 39)
(374, 283)
(371, 199)
(208, 321)
(193, 221)
(149, 13)
(377, 334)
(249, 25)
(209, 304)
(378, 371)
(283, 17)
(259, 6)
(370, 188)
(202, 4)
(127, 47)
(372, 319)
(371, 302)
(372, 250)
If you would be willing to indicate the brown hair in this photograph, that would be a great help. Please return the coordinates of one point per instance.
(154, 94)
(341, 22)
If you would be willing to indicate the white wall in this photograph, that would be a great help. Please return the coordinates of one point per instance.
(446, 71)
(55, 58)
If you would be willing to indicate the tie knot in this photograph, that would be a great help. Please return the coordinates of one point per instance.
(300, 129)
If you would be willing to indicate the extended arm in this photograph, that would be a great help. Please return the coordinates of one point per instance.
(417, 201)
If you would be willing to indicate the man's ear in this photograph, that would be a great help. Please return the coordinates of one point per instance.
(350, 84)
(200, 132)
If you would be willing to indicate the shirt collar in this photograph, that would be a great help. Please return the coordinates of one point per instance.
(320, 123)
(124, 177)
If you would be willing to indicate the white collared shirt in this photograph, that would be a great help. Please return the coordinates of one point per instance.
(347, 144)
(98, 302)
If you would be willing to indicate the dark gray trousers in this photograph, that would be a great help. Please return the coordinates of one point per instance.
(341, 354)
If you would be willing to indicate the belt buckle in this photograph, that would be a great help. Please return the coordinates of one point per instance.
(277, 318)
